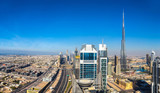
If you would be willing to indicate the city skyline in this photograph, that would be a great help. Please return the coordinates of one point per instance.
(79, 46)
(49, 26)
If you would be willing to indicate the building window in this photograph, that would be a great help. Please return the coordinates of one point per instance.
(95, 56)
(103, 53)
(89, 71)
(81, 56)
(88, 56)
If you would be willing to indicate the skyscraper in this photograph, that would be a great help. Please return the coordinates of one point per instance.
(109, 68)
(151, 60)
(156, 76)
(117, 66)
(103, 65)
(76, 52)
(115, 62)
(123, 52)
(67, 56)
(88, 62)
(61, 58)
(148, 59)
(76, 63)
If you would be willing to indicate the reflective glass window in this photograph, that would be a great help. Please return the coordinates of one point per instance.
(88, 56)
(81, 56)
(95, 56)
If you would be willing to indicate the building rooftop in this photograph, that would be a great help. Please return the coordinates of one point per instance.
(88, 48)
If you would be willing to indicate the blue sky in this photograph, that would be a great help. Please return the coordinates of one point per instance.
(57, 25)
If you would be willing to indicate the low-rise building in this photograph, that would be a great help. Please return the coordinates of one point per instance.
(124, 83)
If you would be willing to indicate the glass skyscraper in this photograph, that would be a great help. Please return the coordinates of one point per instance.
(151, 61)
(88, 62)
(156, 76)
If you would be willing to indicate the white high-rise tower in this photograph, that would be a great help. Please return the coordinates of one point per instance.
(103, 65)
(88, 62)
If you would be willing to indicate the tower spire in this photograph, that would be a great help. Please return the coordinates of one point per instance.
(123, 18)
(123, 30)
(102, 41)
(123, 52)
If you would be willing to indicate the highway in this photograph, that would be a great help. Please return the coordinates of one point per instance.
(44, 90)
(33, 83)
(62, 83)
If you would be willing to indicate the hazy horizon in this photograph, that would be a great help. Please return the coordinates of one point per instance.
(36, 52)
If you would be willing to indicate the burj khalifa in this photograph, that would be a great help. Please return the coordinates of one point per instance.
(123, 60)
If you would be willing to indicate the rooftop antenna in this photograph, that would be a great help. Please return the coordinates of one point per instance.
(102, 43)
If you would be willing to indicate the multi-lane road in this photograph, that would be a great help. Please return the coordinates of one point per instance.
(62, 83)
(60, 87)
(44, 90)
(33, 83)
